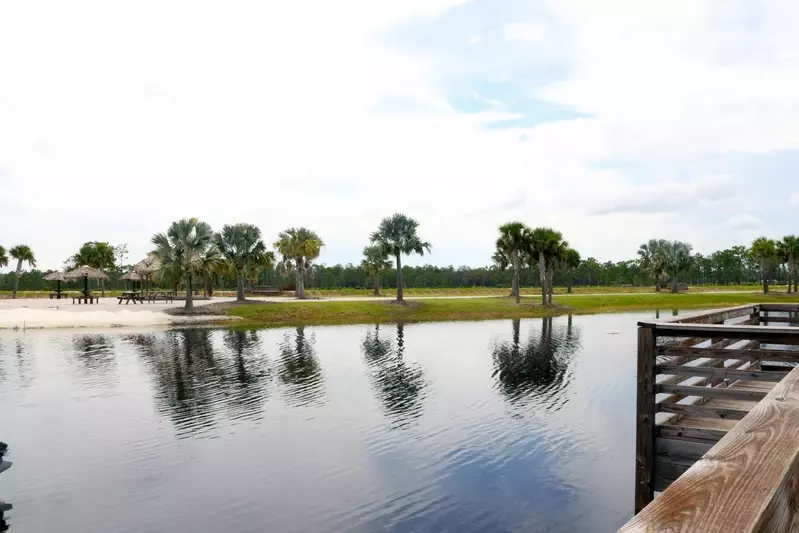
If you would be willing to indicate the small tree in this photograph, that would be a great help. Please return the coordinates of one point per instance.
(788, 248)
(180, 251)
(675, 256)
(96, 255)
(23, 254)
(764, 250)
(546, 246)
(299, 247)
(375, 260)
(3, 257)
(513, 248)
(397, 236)
(570, 261)
(243, 248)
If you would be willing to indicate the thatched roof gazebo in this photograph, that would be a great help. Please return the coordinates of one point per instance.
(147, 268)
(86, 272)
(132, 276)
(58, 277)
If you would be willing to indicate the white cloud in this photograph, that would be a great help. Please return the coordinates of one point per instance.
(794, 200)
(117, 121)
(743, 221)
(524, 31)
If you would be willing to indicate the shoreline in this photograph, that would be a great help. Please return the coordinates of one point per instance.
(43, 314)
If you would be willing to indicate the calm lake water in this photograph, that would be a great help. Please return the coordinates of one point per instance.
(496, 426)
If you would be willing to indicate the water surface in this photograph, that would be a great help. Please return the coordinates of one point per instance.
(501, 426)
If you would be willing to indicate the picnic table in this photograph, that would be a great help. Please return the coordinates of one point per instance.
(129, 296)
(58, 295)
(159, 296)
(85, 297)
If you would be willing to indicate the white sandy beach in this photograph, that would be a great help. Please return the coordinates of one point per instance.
(26, 313)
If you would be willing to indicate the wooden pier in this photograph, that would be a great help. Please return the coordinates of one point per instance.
(718, 422)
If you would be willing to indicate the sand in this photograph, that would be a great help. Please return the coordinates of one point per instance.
(28, 313)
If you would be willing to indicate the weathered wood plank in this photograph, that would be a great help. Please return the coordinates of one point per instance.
(723, 373)
(682, 448)
(772, 335)
(787, 319)
(779, 307)
(784, 356)
(701, 434)
(702, 410)
(713, 392)
(747, 483)
(645, 419)
(717, 316)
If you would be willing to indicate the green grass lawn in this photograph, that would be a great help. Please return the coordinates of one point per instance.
(356, 312)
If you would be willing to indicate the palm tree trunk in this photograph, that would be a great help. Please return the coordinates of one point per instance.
(400, 292)
(791, 271)
(299, 286)
(765, 276)
(571, 282)
(16, 278)
(240, 284)
(542, 273)
(550, 282)
(674, 282)
(377, 283)
(189, 300)
(514, 290)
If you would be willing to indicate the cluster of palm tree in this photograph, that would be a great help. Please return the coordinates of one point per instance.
(190, 250)
(23, 254)
(770, 253)
(664, 259)
(518, 246)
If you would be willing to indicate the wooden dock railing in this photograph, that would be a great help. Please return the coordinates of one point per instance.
(718, 416)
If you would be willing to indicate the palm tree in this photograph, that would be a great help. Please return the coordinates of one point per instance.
(546, 245)
(22, 253)
(513, 249)
(789, 247)
(3, 257)
(180, 252)
(242, 247)
(210, 265)
(397, 236)
(652, 259)
(570, 260)
(765, 251)
(298, 246)
(675, 256)
(375, 260)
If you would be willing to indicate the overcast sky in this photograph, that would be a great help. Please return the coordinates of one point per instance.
(614, 121)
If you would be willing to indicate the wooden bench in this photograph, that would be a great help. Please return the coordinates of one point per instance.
(267, 290)
(130, 296)
(87, 299)
(58, 295)
(160, 297)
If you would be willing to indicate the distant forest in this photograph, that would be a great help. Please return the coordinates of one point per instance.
(734, 266)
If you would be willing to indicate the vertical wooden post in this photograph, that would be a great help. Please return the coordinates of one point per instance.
(645, 418)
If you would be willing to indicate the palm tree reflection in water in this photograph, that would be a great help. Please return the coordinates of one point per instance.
(196, 385)
(399, 385)
(300, 370)
(536, 371)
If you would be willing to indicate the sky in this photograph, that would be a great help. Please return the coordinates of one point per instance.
(613, 122)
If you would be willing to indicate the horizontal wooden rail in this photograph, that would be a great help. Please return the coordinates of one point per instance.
(783, 356)
(745, 484)
(776, 335)
(723, 373)
(713, 392)
(726, 413)
(715, 317)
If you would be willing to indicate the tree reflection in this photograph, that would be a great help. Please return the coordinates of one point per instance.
(536, 370)
(4, 508)
(194, 383)
(299, 370)
(94, 355)
(399, 385)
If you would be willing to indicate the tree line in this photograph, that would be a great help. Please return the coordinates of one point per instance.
(237, 258)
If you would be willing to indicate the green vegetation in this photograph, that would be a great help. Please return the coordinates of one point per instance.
(23, 254)
(243, 248)
(375, 260)
(397, 236)
(183, 252)
(353, 312)
(765, 251)
(100, 255)
(299, 247)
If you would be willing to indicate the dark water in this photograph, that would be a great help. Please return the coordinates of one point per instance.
(464, 427)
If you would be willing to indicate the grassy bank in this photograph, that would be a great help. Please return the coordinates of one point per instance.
(355, 312)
